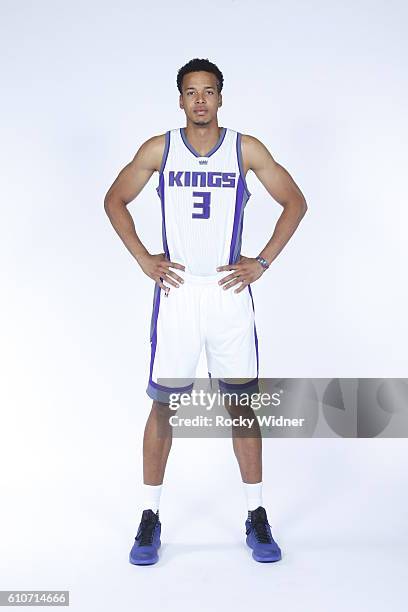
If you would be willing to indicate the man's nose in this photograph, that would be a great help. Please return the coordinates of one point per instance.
(200, 97)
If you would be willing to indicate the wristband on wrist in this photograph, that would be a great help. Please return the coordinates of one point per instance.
(263, 262)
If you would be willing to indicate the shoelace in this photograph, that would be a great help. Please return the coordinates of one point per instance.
(261, 532)
(145, 535)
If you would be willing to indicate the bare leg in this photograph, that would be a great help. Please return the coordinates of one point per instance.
(247, 444)
(157, 439)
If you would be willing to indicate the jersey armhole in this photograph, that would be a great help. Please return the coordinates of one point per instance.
(241, 165)
(164, 159)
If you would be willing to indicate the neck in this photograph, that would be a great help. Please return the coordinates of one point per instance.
(203, 137)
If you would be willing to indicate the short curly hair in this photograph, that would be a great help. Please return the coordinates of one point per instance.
(196, 65)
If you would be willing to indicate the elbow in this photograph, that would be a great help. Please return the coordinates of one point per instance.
(107, 203)
(110, 204)
(302, 207)
(297, 205)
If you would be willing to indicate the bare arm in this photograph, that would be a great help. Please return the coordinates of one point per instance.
(126, 187)
(128, 184)
(281, 186)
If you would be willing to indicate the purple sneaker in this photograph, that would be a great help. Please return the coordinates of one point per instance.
(147, 540)
(259, 537)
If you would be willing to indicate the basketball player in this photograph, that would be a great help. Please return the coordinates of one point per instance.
(202, 293)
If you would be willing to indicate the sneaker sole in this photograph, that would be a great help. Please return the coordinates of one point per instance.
(144, 562)
(264, 559)
(150, 561)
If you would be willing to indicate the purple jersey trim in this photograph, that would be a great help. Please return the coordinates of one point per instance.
(160, 193)
(164, 158)
(240, 164)
(238, 223)
(163, 210)
(212, 151)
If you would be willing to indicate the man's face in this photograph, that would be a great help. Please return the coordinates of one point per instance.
(200, 99)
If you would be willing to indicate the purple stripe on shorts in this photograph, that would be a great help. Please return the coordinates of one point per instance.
(255, 334)
(153, 327)
(171, 389)
(226, 385)
(163, 396)
(153, 339)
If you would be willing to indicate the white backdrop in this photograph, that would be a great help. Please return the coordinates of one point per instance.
(323, 86)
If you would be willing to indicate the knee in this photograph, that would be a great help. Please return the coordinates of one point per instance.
(235, 410)
(161, 409)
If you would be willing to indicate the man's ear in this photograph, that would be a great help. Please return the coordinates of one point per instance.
(220, 100)
(181, 101)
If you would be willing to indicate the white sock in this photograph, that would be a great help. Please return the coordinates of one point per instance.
(151, 496)
(253, 495)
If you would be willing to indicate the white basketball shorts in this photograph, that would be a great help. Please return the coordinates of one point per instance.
(201, 313)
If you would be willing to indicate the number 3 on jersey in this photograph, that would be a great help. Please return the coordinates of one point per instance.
(204, 205)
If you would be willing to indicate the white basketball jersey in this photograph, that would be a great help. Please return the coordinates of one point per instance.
(202, 201)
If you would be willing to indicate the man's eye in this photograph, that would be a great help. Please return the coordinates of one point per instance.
(210, 92)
